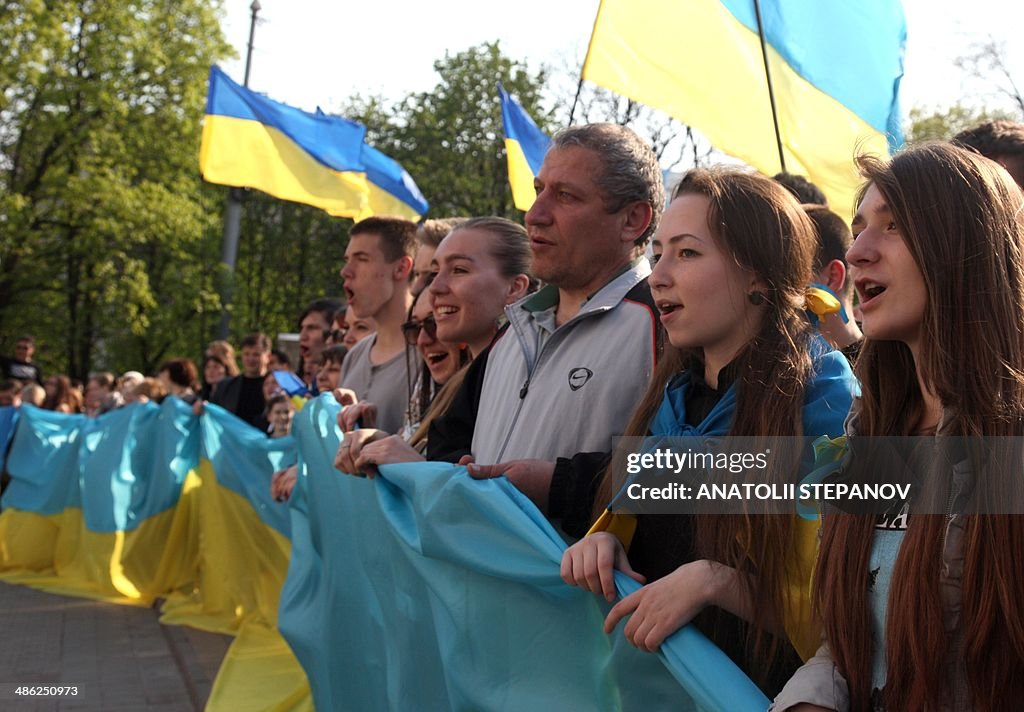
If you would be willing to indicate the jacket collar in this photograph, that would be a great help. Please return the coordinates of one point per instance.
(607, 297)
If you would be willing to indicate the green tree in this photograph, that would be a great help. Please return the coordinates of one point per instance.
(289, 255)
(105, 252)
(942, 125)
(450, 139)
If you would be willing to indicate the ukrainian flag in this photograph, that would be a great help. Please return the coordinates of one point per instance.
(92, 508)
(320, 160)
(424, 589)
(835, 67)
(525, 146)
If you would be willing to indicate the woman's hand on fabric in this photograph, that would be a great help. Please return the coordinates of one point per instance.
(350, 448)
(661, 608)
(358, 415)
(345, 396)
(590, 563)
(385, 451)
(283, 482)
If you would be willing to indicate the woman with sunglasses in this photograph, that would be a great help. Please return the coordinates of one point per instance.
(479, 268)
(441, 361)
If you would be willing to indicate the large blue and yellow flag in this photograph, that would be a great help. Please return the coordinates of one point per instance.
(835, 67)
(525, 146)
(251, 141)
(424, 589)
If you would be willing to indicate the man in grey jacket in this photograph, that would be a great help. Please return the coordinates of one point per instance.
(562, 380)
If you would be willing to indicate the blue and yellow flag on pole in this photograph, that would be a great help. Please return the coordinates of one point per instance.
(525, 146)
(835, 66)
(251, 141)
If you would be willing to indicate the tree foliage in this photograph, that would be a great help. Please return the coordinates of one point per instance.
(288, 255)
(450, 139)
(104, 251)
(942, 125)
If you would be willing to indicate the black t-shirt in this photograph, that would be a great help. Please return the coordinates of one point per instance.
(250, 400)
(19, 370)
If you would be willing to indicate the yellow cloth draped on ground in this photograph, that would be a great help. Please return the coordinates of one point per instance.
(151, 502)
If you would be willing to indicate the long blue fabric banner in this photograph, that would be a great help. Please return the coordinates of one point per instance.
(424, 589)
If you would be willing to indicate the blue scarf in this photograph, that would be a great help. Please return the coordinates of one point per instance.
(827, 400)
(670, 420)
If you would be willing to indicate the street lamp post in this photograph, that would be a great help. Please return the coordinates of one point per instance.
(233, 215)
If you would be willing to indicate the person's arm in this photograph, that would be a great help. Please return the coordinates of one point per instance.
(661, 608)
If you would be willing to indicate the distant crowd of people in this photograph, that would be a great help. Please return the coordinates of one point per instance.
(257, 393)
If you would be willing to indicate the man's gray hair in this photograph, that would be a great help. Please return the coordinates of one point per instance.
(631, 170)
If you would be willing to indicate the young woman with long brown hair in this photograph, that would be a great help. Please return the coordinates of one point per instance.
(925, 610)
(743, 360)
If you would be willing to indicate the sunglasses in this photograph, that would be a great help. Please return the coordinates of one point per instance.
(411, 329)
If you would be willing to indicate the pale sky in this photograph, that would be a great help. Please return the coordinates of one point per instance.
(318, 52)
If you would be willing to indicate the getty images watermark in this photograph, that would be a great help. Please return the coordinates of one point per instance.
(732, 475)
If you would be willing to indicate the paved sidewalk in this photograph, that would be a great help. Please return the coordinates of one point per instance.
(119, 657)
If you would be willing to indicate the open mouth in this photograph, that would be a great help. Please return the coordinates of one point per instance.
(444, 310)
(436, 359)
(869, 291)
(668, 307)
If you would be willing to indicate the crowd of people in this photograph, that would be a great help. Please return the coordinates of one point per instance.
(744, 307)
(264, 393)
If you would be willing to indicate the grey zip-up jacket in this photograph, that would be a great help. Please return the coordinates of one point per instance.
(541, 392)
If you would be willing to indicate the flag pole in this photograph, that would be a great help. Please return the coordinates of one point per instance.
(583, 69)
(579, 88)
(233, 216)
(768, 77)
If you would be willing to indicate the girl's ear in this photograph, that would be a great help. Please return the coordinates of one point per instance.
(757, 291)
(517, 288)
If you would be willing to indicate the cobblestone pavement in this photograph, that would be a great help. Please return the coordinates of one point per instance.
(119, 657)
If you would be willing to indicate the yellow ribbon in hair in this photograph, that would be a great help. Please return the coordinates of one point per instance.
(821, 303)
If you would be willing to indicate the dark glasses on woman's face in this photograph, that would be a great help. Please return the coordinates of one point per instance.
(411, 329)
